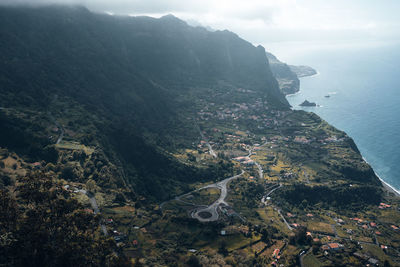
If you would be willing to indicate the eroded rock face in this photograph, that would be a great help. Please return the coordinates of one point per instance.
(288, 75)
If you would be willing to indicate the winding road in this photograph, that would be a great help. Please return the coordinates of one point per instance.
(61, 136)
(263, 200)
(210, 213)
(93, 203)
(213, 208)
(211, 151)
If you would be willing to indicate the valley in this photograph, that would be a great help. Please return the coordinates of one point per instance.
(148, 142)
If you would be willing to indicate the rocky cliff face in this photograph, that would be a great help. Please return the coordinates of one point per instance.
(288, 81)
(126, 85)
(126, 50)
(288, 75)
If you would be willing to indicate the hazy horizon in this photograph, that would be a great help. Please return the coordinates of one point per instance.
(267, 22)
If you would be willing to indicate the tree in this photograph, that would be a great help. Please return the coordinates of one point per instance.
(193, 261)
(222, 248)
(52, 228)
(264, 236)
(299, 237)
(91, 186)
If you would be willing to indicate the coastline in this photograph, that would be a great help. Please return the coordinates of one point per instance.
(312, 75)
(298, 92)
(388, 187)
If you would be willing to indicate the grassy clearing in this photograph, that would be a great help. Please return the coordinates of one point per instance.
(319, 227)
(203, 197)
(75, 146)
(311, 261)
(390, 216)
(233, 242)
(269, 215)
(268, 252)
(375, 251)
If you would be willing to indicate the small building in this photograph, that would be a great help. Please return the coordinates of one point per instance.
(332, 247)
(384, 206)
(37, 165)
(325, 247)
(240, 159)
(373, 261)
(372, 224)
(223, 232)
(275, 254)
(90, 211)
(290, 215)
(66, 187)
(335, 246)
(249, 162)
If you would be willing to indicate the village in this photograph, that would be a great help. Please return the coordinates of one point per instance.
(273, 151)
(262, 154)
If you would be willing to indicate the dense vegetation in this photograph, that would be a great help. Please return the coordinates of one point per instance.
(127, 114)
(132, 75)
(340, 197)
(42, 226)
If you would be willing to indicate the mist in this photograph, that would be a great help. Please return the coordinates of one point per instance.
(269, 22)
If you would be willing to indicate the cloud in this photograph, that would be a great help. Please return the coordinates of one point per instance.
(264, 21)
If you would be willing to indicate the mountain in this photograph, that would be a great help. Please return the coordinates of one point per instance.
(148, 142)
(288, 81)
(288, 75)
(132, 78)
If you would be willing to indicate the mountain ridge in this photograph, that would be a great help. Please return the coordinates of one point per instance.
(105, 117)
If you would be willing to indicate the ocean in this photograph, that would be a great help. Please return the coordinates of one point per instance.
(363, 84)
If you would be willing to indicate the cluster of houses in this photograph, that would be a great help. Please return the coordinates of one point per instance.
(249, 112)
(245, 161)
(364, 224)
(383, 206)
(301, 140)
(331, 139)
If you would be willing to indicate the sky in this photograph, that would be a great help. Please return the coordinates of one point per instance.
(268, 22)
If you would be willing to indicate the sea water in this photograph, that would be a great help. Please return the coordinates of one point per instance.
(357, 89)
